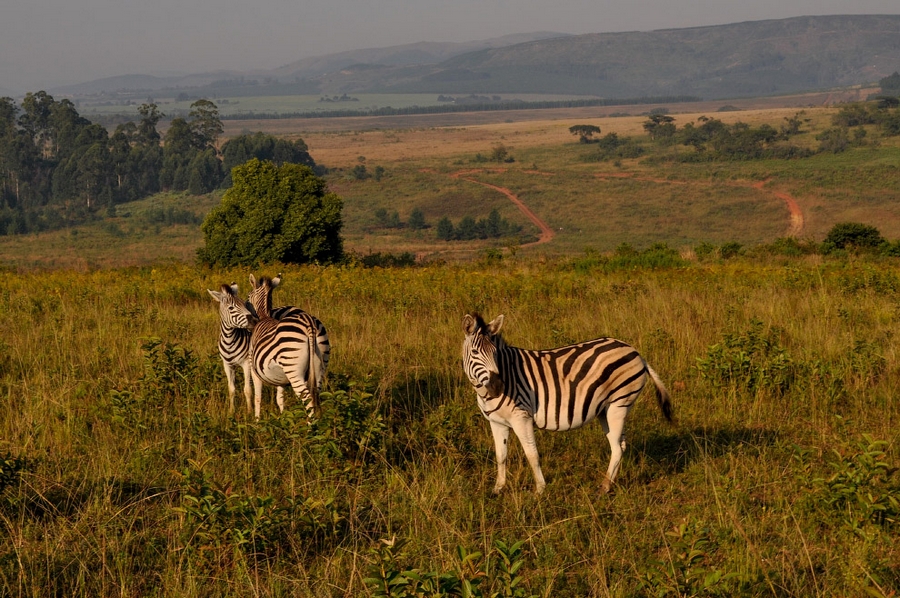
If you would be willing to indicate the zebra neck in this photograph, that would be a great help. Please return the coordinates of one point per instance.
(229, 336)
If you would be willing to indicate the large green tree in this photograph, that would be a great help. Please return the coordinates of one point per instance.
(274, 214)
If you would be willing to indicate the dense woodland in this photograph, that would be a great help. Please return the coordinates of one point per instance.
(58, 168)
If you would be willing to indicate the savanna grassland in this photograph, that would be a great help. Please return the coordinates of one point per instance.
(122, 472)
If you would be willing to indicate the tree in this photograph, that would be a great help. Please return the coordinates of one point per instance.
(660, 126)
(445, 230)
(846, 235)
(416, 220)
(205, 123)
(585, 132)
(273, 213)
(262, 146)
(178, 152)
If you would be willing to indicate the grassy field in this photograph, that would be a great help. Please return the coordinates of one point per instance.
(122, 473)
(590, 204)
(231, 105)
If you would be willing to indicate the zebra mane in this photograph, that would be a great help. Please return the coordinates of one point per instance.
(225, 288)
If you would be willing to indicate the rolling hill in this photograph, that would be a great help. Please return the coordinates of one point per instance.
(743, 59)
(749, 59)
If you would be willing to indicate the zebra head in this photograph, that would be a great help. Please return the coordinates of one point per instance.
(232, 311)
(259, 301)
(479, 355)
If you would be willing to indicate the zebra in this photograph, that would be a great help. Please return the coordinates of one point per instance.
(292, 350)
(235, 324)
(236, 320)
(557, 389)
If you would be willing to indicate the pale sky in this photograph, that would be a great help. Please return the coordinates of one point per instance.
(46, 43)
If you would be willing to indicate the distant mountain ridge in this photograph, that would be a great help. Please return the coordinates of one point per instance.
(403, 55)
(753, 58)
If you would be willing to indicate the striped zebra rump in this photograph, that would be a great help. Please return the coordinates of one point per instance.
(286, 350)
(293, 350)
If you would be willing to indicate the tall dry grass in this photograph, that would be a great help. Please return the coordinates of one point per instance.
(124, 475)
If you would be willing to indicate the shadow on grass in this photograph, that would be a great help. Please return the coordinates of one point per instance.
(63, 501)
(674, 453)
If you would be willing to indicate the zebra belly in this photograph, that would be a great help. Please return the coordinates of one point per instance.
(273, 374)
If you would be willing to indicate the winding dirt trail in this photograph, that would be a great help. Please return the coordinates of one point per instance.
(547, 234)
(797, 221)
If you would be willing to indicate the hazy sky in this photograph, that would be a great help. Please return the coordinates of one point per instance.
(44, 43)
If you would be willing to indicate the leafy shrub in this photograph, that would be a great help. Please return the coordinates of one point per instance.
(388, 260)
(690, 567)
(218, 521)
(859, 486)
(474, 576)
(273, 213)
(469, 229)
(658, 255)
(853, 235)
(388, 219)
(752, 361)
(350, 427)
(729, 250)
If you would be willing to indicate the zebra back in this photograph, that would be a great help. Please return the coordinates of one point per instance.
(560, 388)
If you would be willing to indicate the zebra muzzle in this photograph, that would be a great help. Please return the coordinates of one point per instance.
(494, 387)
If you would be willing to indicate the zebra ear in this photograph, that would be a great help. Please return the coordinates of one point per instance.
(215, 295)
(469, 324)
(495, 325)
(252, 281)
(276, 281)
(234, 288)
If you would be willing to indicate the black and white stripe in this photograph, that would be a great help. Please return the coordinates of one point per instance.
(235, 323)
(236, 320)
(293, 350)
(556, 389)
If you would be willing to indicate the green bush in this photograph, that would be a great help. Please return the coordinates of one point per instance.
(853, 235)
(274, 214)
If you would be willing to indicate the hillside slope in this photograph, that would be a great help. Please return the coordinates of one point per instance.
(743, 59)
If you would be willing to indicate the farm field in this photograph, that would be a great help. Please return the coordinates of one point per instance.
(123, 474)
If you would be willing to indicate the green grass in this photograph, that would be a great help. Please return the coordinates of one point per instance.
(125, 475)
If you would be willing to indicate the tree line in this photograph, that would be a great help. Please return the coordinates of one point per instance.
(57, 168)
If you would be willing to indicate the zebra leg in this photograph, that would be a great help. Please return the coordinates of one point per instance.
(613, 422)
(523, 426)
(257, 395)
(248, 390)
(501, 449)
(229, 376)
(279, 398)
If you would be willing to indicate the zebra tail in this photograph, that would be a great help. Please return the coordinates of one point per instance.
(311, 383)
(662, 395)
